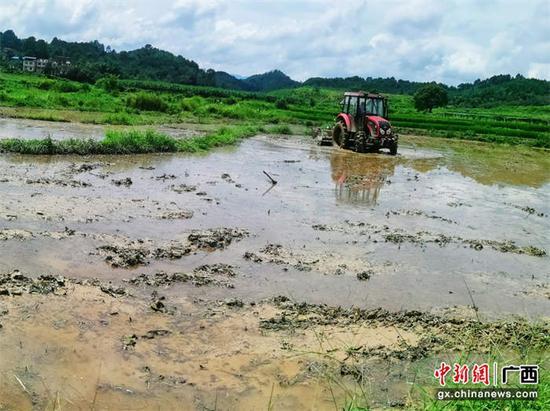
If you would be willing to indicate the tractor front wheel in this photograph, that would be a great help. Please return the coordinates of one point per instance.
(393, 148)
(340, 134)
(360, 143)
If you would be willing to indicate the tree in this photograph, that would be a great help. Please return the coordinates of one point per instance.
(10, 40)
(29, 46)
(430, 96)
(42, 49)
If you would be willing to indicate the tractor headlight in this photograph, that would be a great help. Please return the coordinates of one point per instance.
(389, 130)
(382, 131)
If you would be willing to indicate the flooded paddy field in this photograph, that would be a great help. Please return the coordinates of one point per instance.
(152, 281)
(27, 129)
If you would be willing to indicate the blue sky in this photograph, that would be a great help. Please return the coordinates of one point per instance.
(451, 41)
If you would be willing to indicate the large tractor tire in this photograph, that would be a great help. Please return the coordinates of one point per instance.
(340, 134)
(393, 148)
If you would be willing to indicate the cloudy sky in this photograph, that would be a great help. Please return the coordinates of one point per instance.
(451, 41)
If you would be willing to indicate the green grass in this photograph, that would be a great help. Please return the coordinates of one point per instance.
(135, 102)
(223, 137)
(357, 378)
(129, 142)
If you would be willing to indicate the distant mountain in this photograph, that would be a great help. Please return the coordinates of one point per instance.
(226, 80)
(272, 80)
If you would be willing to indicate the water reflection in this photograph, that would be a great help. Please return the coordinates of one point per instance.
(358, 178)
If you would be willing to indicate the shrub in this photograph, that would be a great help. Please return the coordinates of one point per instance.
(66, 87)
(281, 104)
(119, 119)
(147, 102)
(45, 85)
(191, 104)
(62, 101)
(108, 83)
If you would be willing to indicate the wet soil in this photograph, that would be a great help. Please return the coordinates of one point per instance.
(201, 283)
(36, 129)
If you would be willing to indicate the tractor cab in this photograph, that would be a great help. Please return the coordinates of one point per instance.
(359, 106)
(362, 124)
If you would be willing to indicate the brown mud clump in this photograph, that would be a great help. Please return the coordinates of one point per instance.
(126, 182)
(198, 278)
(18, 284)
(218, 238)
(176, 215)
(121, 252)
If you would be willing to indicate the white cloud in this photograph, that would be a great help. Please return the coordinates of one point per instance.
(539, 70)
(452, 41)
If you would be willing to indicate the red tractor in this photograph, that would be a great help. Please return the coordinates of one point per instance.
(363, 124)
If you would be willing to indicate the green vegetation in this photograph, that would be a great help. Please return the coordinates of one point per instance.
(135, 102)
(147, 102)
(429, 97)
(130, 142)
(502, 90)
(527, 344)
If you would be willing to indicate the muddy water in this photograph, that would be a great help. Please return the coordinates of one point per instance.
(441, 225)
(331, 213)
(37, 129)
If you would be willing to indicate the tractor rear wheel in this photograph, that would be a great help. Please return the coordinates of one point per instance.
(340, 134)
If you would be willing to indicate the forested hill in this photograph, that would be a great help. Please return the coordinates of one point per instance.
(497, 90)
(386, 85)
(272, 80)
(502, 89)
(92, 60)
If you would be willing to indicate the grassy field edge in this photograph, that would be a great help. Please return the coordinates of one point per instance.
(137, 142)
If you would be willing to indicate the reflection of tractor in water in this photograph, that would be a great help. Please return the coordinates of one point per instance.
(363, 124)
(357, 180)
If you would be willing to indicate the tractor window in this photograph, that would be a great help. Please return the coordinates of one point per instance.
(375, 107)
(362, 106)
(379, 107)
(344, 104)
(352, 106)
